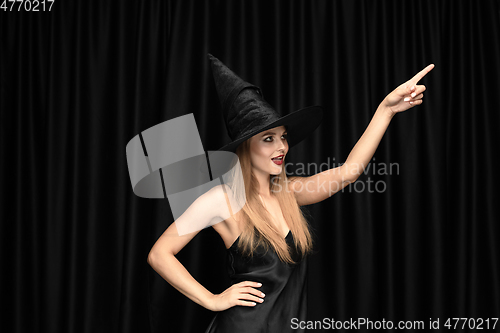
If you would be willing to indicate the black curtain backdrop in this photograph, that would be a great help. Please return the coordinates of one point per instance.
(80, 81)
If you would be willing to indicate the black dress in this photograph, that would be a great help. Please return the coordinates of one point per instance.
(284, 285)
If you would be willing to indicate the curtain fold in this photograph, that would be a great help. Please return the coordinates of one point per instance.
(416, 237)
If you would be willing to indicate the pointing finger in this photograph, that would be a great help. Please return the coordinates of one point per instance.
(422, 73)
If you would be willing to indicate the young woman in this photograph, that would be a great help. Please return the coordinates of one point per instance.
(268, 239)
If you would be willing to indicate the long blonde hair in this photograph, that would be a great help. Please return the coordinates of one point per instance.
(256, 220)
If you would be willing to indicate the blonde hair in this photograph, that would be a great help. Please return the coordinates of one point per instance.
(257, 228)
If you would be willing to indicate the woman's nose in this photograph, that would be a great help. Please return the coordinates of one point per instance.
(282, 145)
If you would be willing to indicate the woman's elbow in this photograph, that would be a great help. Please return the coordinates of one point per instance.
(151, 256)
(156, 256)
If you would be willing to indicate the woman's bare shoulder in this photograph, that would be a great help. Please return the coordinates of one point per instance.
(229, 227)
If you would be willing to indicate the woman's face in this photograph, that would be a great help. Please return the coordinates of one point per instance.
(266, 145)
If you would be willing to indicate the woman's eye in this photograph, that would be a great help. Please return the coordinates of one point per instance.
(270, 137)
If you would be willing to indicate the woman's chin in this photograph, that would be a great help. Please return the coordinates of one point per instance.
(276, 170)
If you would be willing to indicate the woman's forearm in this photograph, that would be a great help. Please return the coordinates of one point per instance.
(169, 268)
(366, 146)
(404, 97)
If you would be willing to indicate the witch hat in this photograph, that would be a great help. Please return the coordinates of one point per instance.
(246, 113)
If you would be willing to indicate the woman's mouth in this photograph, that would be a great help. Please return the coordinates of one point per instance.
(278, 160)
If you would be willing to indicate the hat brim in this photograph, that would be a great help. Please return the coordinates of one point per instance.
(299, 124)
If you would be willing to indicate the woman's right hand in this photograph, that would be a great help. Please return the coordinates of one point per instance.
(243, 293)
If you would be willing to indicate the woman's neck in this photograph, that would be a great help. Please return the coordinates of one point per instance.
(264, 184)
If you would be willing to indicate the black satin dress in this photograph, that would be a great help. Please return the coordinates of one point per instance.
(285, 287)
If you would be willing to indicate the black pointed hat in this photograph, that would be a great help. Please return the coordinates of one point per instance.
(246, 113)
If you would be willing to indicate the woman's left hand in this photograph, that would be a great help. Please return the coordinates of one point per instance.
(407, 95)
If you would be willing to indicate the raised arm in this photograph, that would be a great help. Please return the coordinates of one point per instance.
(316, 188)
